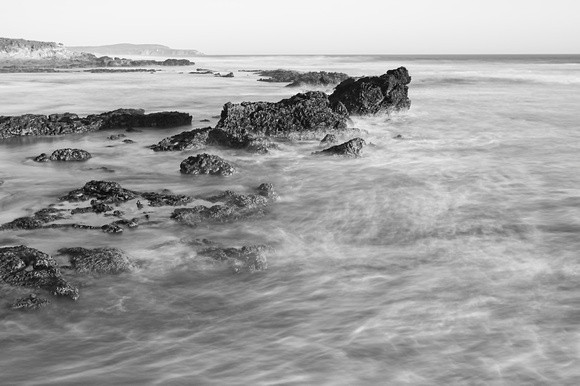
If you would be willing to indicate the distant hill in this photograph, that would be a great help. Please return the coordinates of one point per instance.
(135, 50)
(32, 49)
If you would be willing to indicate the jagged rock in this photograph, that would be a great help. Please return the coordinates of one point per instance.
(29, 267)
(105, 191)
(96, 207)
(374, 94)
(251, 258)
(116, 136)
(65, 155)
(206, 164)
(67, 123)
(328, 139)
(98, 260)
(301, 116)
(132, 223)
(299, 79)
(198, 214)
(30, 302)
(158, 199)
(194, 139)
(37, 220)
(267, 190)
(245, 202)
(112, 228)
(352, 148)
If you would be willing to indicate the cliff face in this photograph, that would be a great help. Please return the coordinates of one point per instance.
(31, 49)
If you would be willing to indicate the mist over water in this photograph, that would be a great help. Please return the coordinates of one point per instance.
(448, 257)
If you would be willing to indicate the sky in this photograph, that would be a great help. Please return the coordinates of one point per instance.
(252, 27)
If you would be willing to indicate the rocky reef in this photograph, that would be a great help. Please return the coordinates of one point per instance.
(64, 155)
(374, 94)
(68, 123)
(301, 79)
(352, 149)
(29, 267)
(98, 260)
(206, 164)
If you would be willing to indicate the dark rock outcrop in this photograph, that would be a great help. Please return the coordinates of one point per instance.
(299, 79)
(67, 123)
(37, 220)
(352, 148)
(30, 302)
(374, 94)
(249, 258)
(98, 260)
(328, 139)
(228, 75)
(104, 191)
(206, 164)
(193, 139)
(29, 267)
(301, 116)
(229, 206)
(64, 155)
(160, 199)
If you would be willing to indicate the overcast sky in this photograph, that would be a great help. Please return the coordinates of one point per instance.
(305, 26)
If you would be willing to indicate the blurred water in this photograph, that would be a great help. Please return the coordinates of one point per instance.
(449, 257)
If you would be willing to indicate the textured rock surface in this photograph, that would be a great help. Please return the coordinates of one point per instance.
(98, 260)
(193, 139)
(301, 116)
(29, 267)
(105, 191)
(65, 155)
(160, 199)
(374, 94)
(352, 148)
(37, 220)
(299, 79)
(250, 258)
(30, 302)
(206, 164)
(59, 124)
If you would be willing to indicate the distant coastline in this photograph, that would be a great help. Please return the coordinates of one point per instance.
(136, 50)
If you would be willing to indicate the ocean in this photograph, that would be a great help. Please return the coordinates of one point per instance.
(447, 257)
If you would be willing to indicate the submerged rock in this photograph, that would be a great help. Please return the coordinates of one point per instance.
(30, 302)
(37, 220)
(194, 139)
(301, 116)
(29, 267)
(352, 148)
(105, 191)
(67, 123)
(299, 79)
(250, 258)
(206, 164)
(65, 155)
(374, 94)
(159, 199)
(98, 260)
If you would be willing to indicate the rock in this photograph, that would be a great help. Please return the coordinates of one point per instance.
(105, 191)
(250, 258)
(352, 148)
(38, 220)
(328, 139)
(200, 213)
(206, 164)
(96, 207)
(299, 79)
(177, 62)
(398, 136)
(248, 202)
(158, 199)
(301, 116)
(59, 124)
(267, 190)
(374, 94)
(128, 141)
(65, 155)
(116, 136)
(112, 228)
(228, 75)
(29, 267)
(99, 260)
(30, 302)
(194, 139)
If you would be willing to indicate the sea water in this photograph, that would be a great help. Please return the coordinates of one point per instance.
(447, 257)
